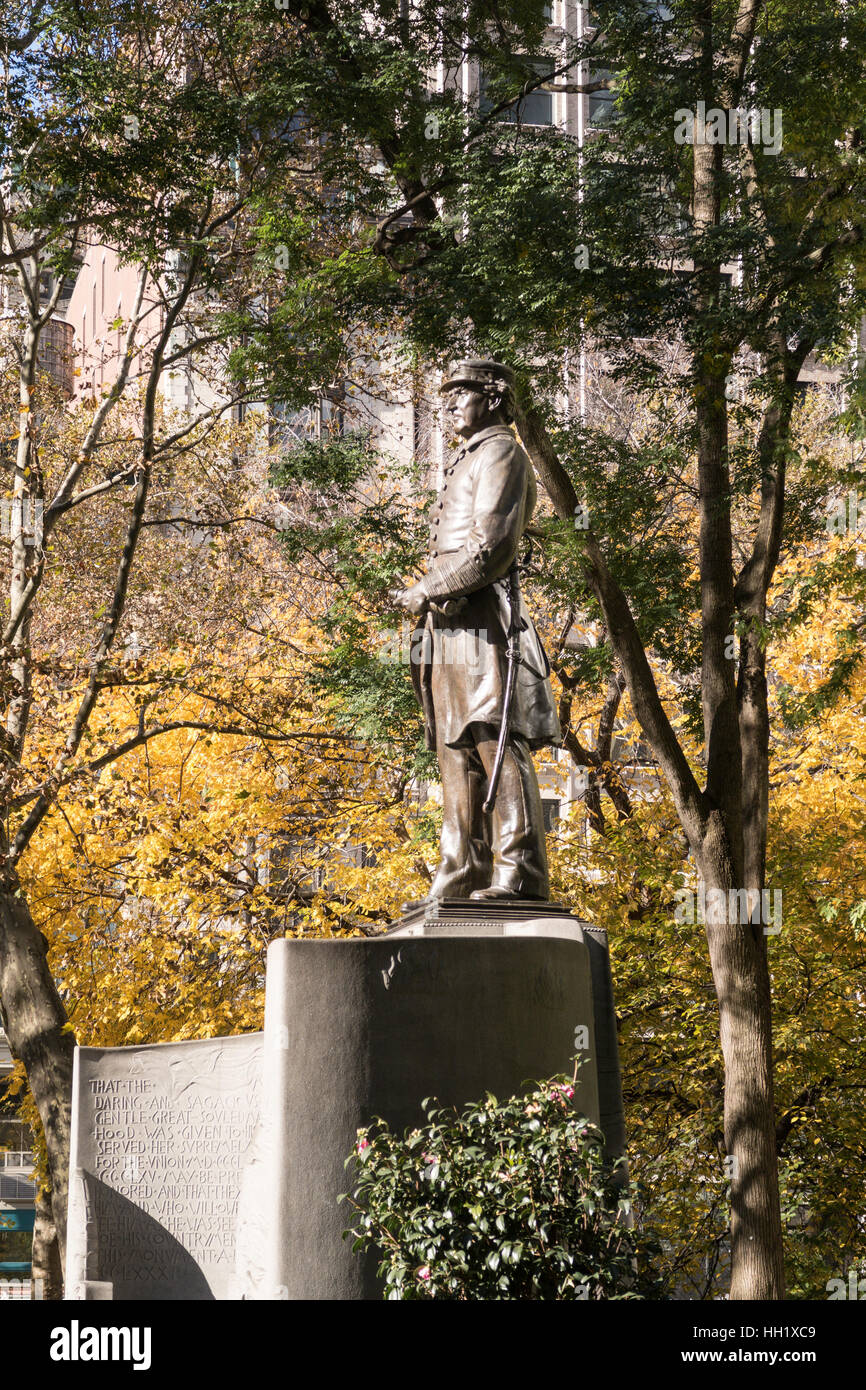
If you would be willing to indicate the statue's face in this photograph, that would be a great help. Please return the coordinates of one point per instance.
(469, 410)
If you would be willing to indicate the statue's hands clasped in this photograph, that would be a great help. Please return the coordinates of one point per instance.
(414, 600)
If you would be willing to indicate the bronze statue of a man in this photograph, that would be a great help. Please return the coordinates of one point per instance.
(482, 662)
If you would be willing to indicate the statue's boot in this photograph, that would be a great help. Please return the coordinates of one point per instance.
(517, 864)
(494, 894)
(466, 862)
(517, 829)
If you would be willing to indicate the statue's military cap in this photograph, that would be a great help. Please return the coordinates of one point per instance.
(481, 373)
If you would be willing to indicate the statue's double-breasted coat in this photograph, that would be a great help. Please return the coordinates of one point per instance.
(460, 669)
(459, 663)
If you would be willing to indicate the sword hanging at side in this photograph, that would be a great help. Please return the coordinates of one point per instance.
(515, 626)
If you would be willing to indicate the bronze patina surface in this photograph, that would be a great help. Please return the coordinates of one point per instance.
(468, 603)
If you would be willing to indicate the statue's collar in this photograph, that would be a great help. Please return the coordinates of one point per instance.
(480, 437)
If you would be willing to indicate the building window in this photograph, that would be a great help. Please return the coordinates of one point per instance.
(550, 811)
(535, 109)
(627, 751)
(293, 427)
(601, 103)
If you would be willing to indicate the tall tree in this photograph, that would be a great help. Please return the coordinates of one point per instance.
(721, 208)
(164, 137)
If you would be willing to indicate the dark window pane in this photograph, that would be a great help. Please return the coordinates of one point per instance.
(534, 109)
(601, 104)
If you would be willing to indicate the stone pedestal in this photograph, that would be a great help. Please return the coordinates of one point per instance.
(450, 1004)
(545, 919)
(211, 1170)
(160, 1138)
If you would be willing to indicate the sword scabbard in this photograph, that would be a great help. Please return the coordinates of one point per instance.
(513, 661)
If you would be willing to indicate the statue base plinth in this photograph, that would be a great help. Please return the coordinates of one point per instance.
(455, 1000)
(211, 1168)
(494, 916)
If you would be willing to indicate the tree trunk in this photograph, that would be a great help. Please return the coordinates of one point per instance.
(739, 964)
(36, 1026)
(47, 1273)
(738, 958)
(713, 823)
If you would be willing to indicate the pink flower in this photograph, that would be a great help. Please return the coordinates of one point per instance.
(563, 1091)
(362, 1145)
(424, 1272)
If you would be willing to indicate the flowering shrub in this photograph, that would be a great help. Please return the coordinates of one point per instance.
(509, 1200)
